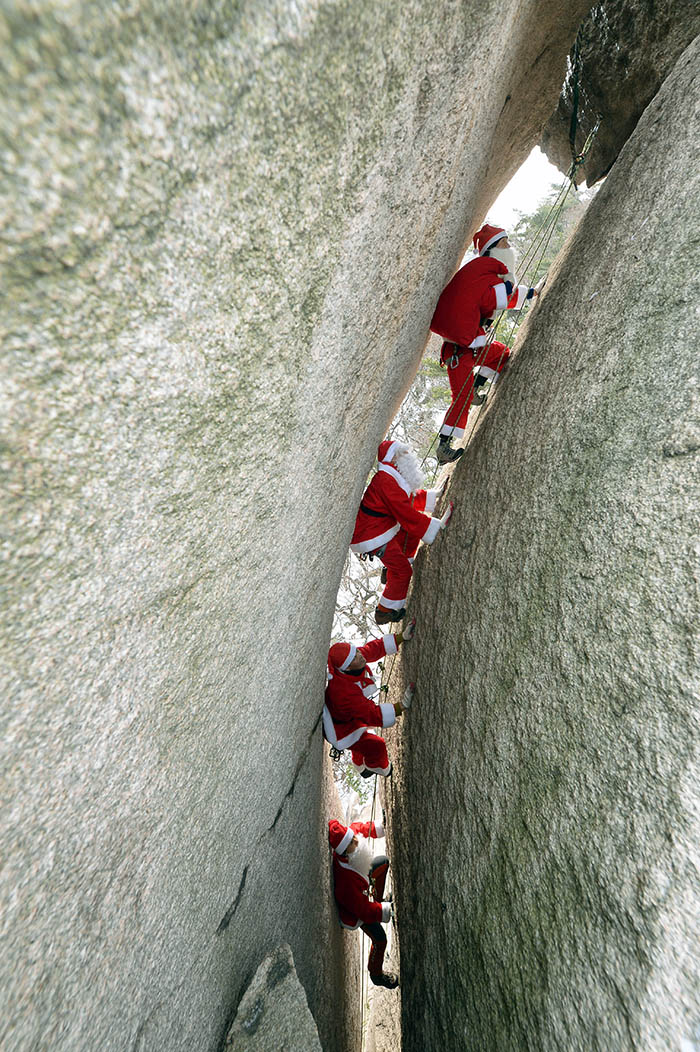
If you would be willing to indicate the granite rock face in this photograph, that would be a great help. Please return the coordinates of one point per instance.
(274, 1012)
(225, 227)
(627, 49)
(546, 805)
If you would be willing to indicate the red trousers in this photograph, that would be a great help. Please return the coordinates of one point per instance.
(462, 383)
(377, 875)
(370, 752)
(398, 557)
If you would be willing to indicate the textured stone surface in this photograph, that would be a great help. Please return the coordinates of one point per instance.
(384, 1013)
(628, 48)
(225, 226)
(546, 807)
(273, 1012)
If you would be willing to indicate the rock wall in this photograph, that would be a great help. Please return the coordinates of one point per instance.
(627, 49)
(225, 226)
(546, 810)
(273, 1012)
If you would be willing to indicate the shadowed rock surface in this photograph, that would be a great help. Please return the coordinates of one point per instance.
(274, 1012)
(225, 229)
(627, 49)
(545, 815)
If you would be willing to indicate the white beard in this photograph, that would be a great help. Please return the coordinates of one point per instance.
(408, 467)
(507, 256)
(361, 858)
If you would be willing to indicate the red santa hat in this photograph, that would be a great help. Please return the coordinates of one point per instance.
(388, 450)
(339, 836)
(488, 236)
(340, 655)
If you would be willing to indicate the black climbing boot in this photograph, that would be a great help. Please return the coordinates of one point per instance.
(384, 617)
(479, 397)
(387, 979)
(445, 453)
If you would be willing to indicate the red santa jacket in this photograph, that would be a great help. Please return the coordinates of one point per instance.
(349, 710)
(352, 888)
(387, 506)
(475, 292)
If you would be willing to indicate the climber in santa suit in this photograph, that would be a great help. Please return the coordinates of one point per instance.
(464, 311)
(393, 518)
(358, 886)
(349, 710)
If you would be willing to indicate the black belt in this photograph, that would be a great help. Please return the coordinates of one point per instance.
(373, 513)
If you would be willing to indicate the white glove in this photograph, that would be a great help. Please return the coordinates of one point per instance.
(409, 631)
(408, 696)
(540, 285)
(386, 912)
(447, 516)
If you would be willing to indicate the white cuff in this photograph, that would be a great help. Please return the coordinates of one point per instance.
(501, 296)
(392, 604)
(432, 531)
(520, 296)
(379, 829)
(390, 646)
(431, 496)
(388, 714)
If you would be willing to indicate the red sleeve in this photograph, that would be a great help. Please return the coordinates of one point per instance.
(374, 650)
(350, 896)
(414, 522)
(366, 829)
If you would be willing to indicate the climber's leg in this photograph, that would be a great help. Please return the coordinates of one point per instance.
(376, 954)
(370, 753)
(494, 361)
(461, 385)
(392, 603)
(375, 961)
(378, 873)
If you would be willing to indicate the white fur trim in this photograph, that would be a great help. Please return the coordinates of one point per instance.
(373, 543)
(388, 714)
(378, 770)
(331, 736)
(345, 842)
(452, 432)
(431, 496)
(432, 531)
(391, 452)
(520, 296)
(390, 646)
(501, 296)
(346, 865)
(396, 477)
(487, 373)
(493, 240)
(348, 659)
(379, 829)
(391, 604)
(479, 341)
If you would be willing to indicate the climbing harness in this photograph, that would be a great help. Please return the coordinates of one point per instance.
(377, 552)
